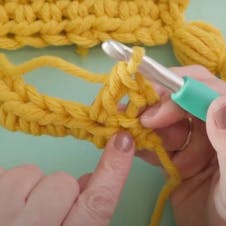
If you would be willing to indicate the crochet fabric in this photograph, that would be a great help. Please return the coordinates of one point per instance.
(86, 23)
(23, 108)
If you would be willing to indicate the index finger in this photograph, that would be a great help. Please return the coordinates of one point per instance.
(167, 112)
(97, 202)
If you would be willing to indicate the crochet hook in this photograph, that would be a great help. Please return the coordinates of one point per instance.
(190, 94)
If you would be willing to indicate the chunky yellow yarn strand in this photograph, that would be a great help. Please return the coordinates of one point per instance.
(23, 108)
(87, 23)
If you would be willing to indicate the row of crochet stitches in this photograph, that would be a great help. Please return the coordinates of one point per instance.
(23, 108)
(86, 23)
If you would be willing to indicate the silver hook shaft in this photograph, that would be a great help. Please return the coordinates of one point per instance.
(150, 68)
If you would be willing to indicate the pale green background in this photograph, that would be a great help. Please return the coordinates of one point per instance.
(78, 157)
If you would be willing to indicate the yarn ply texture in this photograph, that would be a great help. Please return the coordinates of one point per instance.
(23, 108)
(86, 23)
(40, 23)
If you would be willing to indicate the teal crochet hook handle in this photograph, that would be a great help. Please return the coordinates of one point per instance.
(195, 97)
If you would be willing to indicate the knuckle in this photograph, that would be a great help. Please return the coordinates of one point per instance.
(99, 203)
(114, 166)
(66, 180)
(200, 68)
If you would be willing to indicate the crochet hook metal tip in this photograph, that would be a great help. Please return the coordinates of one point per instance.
(150, 68)
(116, 50)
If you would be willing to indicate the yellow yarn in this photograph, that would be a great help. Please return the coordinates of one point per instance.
(200, 43)
(87, 23)
(23, 108)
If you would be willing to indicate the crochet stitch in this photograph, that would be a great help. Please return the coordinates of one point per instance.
(23, 108)
(86, 23)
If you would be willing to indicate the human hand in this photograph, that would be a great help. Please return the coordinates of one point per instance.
(201, 197)
(28, 197)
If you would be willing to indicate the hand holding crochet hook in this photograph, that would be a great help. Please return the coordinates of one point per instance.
(196, 147)
(59, 199)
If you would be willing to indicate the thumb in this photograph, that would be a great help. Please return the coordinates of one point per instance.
(216, 130)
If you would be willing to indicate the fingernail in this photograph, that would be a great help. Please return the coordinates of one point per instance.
(220, 117)
(123, 142)
(152, 111)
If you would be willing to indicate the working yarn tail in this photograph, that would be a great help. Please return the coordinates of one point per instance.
(23, 108)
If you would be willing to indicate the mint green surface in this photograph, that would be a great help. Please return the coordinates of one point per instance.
(78, 157)
(194, 97)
